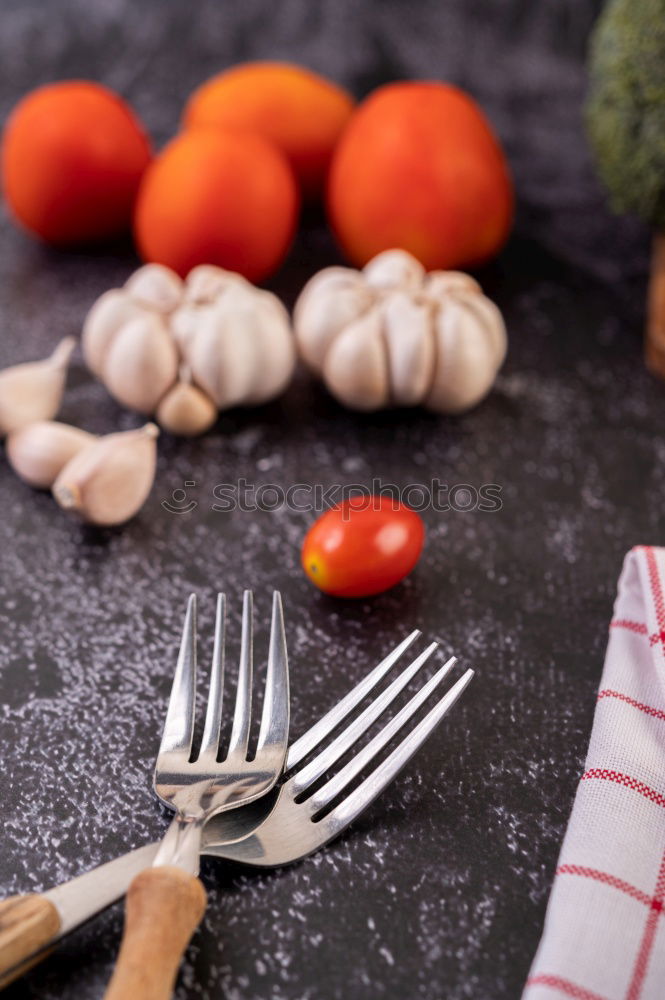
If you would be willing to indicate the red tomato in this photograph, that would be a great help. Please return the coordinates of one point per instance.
(363, 546)
(73, 154)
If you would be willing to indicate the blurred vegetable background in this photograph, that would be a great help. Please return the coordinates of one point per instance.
(570, 439)
(158, 61)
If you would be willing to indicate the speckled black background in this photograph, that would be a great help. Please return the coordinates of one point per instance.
(440, 890)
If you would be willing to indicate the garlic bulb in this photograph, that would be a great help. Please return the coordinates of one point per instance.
(39, 451)
(234, 339)
(108, 481)
(393, 335)
(33, 391)
(185, 410)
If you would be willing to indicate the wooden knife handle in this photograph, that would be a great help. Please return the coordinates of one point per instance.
(27, 925)
(163, 908)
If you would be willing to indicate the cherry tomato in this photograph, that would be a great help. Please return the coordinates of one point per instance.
(363, 546)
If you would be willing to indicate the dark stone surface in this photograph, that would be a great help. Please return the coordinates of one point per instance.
(440, 889)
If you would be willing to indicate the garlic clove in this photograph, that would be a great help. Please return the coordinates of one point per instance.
(223, 355)
(356, 368)
(156, 286)
(331, 300)
(206, 282)
(464, 370)
(108, 481)
(407, 325)
(184, 322)
(38, 452)
(488, 315)
(111, 311)
(439, 284)
(142, 363)
(273, 340)
(33, 391)
(394, 269)
(185, 409)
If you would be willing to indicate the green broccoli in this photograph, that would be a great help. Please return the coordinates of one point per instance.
(626, 123)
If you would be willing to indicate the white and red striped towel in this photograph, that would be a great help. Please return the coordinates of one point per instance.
(604, 934)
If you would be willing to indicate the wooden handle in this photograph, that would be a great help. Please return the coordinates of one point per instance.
(27, 924)
(655, 338)
(163, 908)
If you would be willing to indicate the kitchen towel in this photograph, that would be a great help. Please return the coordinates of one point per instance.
(604, 933)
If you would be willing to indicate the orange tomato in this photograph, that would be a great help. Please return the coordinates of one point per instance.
(363, 546)
(300, 111)
(73, 154)
(419, 167)
(217, 197)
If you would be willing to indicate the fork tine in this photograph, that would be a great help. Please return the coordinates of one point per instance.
(306, 743)
(242, 715)
(313, 771)
(179, 725)
(380, 778)
(210, 738)
(332, 788)
(275, 718)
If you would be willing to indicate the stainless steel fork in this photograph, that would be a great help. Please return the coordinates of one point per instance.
(166, 902)
(197, 789)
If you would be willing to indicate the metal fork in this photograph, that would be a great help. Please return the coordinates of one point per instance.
(197, 789)
(301, 821)
(166, 902)
(268, 832)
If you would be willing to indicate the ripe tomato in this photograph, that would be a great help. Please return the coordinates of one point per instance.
(217, 197)
(364, 546)
(73, 154)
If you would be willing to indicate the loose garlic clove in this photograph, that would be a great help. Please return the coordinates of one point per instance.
(407, 324)
(156, 286)
(356, 369)
(33, 391)
(394, 269)
(142, 363)
(109, 481)
(37, 453)
(109, 313)
(330, 301)
(185, 409)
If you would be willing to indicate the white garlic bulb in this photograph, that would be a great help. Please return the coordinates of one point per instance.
(234, 340)
(108, 481)
(33, 391)
(393, 335)
(37, 453)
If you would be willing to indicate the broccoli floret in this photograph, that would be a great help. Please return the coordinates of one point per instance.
(625, 108)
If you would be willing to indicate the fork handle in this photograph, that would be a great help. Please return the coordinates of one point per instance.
(163, 908)
(27, 924)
